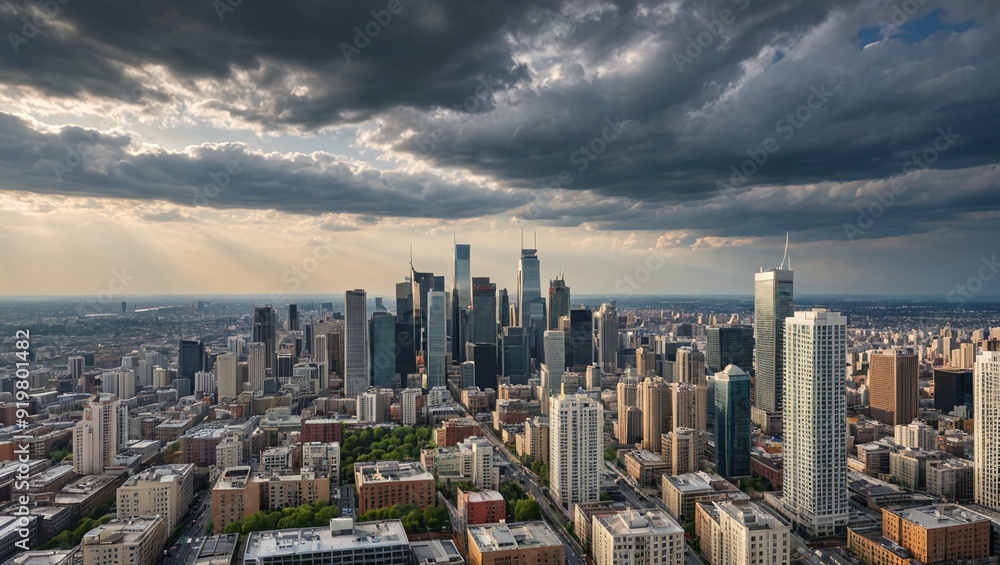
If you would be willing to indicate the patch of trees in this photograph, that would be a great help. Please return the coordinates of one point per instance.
(402, 443)
(312, 515)
(415, 520)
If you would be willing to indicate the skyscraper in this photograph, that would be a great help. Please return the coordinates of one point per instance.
(645, 361)
(503, 308)
(515, 355)
(190, 358)
(484, 358)
(815, 409)
(530, 305)
(892, 386)
(558, 301)
(265, 331)
(986, 402)
(97, 436)
(655, 398)
(690, 366)
(732, 422)
(293, 317)
(383, 349)
(729, 345)
(436, 352)
(257, 365)
(484, 311)
(580, 347)
(606, 322)
(227, 376)
(772, 304)
(628, 396)
(461, 300)
(555, 358)
(576, 449)
(356, 369)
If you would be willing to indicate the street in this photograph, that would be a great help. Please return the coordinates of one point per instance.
(186, 552)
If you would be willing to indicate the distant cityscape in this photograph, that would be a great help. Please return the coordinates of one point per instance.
(457, 422)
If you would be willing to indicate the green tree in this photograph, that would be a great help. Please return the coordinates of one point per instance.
(527, 509)
(610, 454)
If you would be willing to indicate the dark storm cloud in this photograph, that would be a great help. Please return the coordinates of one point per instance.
(84, 162)
(734, 117)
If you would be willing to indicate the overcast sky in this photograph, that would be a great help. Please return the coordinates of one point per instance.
(682, 137)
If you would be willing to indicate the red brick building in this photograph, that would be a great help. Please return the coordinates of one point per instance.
(322, 430)
(481, 507)
(456, 430)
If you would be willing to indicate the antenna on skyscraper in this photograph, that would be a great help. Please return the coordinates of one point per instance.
(535, 235)
(411, 256)
(785, 258)
(522, 237)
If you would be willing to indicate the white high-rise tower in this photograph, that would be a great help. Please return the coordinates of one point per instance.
(576, 449)
(437, 338)
(815, 411)
(986, 408)
(228, 377)
(97, 437)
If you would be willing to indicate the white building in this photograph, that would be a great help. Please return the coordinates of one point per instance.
(555, 360)
(438, 396)
(229, 453)
(322, 457)
(205, 381)
(638, 537)
(986, 407)
(119, 382)
(576, 449)
(98, 435)
(370, 409)
(741, 533)
(257, 365)
(356, 363)
(815, 412)
(227, 376)
(166, 490)
(409, 400)
(916, 435)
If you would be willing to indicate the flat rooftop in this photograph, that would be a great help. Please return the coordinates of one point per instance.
(273, 543)
(484, 496)
(644, 456)
(505, 537)
(699, 482)
(940, 516)
(161, 474)
(436, 552)
(205, 433)
(638, 523)
(384, 471)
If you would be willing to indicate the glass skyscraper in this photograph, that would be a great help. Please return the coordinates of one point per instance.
(772, 304)
(356, 371)
(383, 349)
(265, 331)
(461, 299)
(558, 302)
(580, 347)
(437, 338)
(484, 311)
(729, 345)
(732, 422)
(190, 358)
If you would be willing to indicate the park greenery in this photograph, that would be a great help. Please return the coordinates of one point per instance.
(71, 538)
(520, 506)
(415, 520)
(402, 443)
(312, 515)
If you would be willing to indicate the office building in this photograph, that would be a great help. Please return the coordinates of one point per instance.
(729, 345)
(628, 396)
(436, 354)
(558, 302)
(952, 479)
(384, 484)
(892, 386)
(952, 389)
(190, 358)
(356, 368)
(576, 449)
(555, 362)
(342, 542)
(257, 365)
(655, 397)
(741, 533)
(530, 304)
(265, 331)
(383, 349)
(689, 368)
(166, 490)
(516, 351)
(99, 434)
(580, 347)
(406, 356)
(136, 541)
(227, 376)
(637, 536)
(772, 304)
(461, 300)
(606, 329)
(525, 543)
(293, 317)
(680, 493)
(484, 311)
(645, 467)
(815, 449)
(986, 398)
(732, 423)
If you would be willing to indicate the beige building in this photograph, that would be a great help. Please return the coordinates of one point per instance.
(628, 396)
(951, 479)
(681, 492)
(645, 467)
(527, 543)
(534, 441)
(655, 404)
(166, 490)
(645, 362)
(648, 536)
(229, 452)
(909, 466)
(741, 533)
(916, 435)
(136, 541)
(892, 386)
(682, 450)
(239, 493)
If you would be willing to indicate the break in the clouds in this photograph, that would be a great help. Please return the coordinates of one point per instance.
(699, 125)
